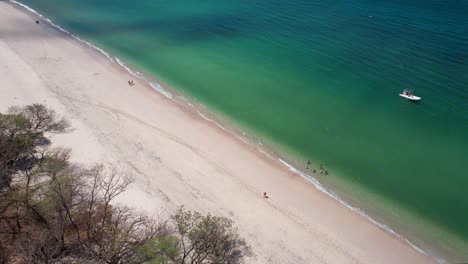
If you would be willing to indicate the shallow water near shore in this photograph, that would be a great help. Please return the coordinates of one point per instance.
(318, 79)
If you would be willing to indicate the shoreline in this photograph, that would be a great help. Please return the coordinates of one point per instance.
(231, 130)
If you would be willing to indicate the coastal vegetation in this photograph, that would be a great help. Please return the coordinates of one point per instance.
(55, 211)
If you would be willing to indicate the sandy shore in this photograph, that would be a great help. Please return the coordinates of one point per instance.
(176, 156)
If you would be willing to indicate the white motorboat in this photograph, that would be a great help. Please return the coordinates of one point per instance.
(408, 94)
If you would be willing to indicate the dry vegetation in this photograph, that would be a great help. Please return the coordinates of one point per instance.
(54, 211)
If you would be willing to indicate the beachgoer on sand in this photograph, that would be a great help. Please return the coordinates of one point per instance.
(37, 21)
(265, 195)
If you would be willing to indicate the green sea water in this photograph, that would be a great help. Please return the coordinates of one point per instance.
(319, 80)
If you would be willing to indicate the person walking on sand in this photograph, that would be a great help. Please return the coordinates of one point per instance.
(308, 164)
(265, 195)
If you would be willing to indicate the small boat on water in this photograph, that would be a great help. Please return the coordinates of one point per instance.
(408, 94)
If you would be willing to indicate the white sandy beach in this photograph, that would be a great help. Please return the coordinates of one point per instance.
(176, 156)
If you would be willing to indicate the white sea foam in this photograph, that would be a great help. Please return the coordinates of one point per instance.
(161, 90)
(220, 126)
(205, 117)
(209, 119)
(243, 140)
(137, 74)
(123, 65)
(266, 153)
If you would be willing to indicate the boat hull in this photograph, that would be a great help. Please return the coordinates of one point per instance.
(411, 97)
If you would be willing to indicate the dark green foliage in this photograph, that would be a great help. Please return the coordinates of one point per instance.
(160, 250)
(208, 239)
(22, 132)
(15, 143)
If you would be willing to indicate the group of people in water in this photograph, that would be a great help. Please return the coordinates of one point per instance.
(322, 171)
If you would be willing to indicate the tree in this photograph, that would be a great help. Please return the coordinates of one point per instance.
(41, 119)
(208, 239)
(15, 142)
(160, 250)
(22, 131)
(69, 215)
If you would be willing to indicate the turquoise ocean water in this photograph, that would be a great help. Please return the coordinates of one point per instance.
(320, 80)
